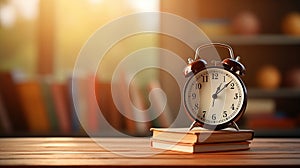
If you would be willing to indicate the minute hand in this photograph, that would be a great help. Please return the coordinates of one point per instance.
(225, 86)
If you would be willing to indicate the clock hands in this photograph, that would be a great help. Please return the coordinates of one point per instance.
(219, 89)
(215, 95)
(225, 86)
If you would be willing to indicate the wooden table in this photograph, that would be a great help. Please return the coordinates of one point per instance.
(136, 152)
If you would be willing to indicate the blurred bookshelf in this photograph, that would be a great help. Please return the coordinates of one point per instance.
(267, 39)
(44, 51)
(37, 56)
(278, 93)
(45, 107)
(263, 33)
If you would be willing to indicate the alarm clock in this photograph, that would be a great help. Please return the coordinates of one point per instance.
(214, 95)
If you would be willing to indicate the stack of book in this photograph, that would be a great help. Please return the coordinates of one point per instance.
(200, 139)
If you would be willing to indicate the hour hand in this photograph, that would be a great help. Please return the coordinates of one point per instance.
(215, 95)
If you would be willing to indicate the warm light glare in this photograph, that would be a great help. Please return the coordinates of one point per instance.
(145, 5)
(95, 1)
(28, 9)
(7, 15)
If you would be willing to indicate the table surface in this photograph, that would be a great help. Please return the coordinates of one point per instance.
(102, 152)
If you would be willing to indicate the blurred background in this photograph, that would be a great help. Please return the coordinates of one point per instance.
(41, 39)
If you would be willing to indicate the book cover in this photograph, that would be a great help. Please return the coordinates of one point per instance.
(5, 123)
(123, 100)
(200, 147)
(159, 106)
(45, 85)
(201, 135)
(92, 104)
(133, 105)
(12, 103)
(34, 107)
(107, 106)
(270, 121)
(139, 109)
(72, 93)
(62, 109)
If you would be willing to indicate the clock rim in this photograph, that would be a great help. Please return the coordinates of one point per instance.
(229, 122)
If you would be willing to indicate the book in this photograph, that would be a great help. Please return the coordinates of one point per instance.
(107, 107)
(130, 102)
(12, 103)
(159, 106)
(92, 115)
(200, 147)
(123, 102)
(45, 85)
(72, 95)
(62, 106)
(270, 121)
(34, 106)
(261, 106)
(201, 135)
(5, 124)
(139, 109)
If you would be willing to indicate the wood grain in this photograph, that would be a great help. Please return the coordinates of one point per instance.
(102, 152)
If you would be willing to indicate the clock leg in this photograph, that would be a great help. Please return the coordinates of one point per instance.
(194, 124)
(235, 126)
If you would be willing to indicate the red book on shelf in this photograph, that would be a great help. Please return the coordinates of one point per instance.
(132, 104)
(125, 108)
(12, 103)
(92, 105)
(107, 106)
(86, 103)
(5, 123)
(62, 109)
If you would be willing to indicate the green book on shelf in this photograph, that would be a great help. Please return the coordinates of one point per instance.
(201, 135)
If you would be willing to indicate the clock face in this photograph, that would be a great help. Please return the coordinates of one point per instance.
(215, 97)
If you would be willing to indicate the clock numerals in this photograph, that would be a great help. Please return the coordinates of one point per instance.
(204, 78)
(202, 115)
(236, 96)
(225, 114)
(214, 116)
(231, 85)
(214, 76)
(196, 107)
(232, 107)
(198, 86)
